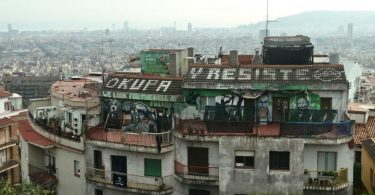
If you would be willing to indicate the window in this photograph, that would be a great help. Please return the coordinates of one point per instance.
(51, 163)
(326, 161)
(325, 103)
(98, 192)
(279, 160)
(244, 159)
(77, 171)
(153, 167)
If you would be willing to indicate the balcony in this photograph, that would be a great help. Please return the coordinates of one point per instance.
(130, 140)
(129, 182)
(45, 178)
(319, 130)
(326, 180)
(9, 164)
(53, 126)
(196, 174)
(12, 141)
(228, 119)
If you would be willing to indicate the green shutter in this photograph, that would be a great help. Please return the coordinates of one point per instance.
(153, 167)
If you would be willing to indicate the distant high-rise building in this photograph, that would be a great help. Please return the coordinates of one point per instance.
(263, 33)
(9, 28)
(126, 26)
(341, 29)
(190, 27)
(350, 31)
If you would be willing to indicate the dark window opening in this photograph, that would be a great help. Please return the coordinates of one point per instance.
(325, 103)
(198, 192)
(279, 160)
(98, 192)
(244, 159)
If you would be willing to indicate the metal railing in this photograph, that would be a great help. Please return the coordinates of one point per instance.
(326, 178)
(9, 142)
(315, 130)
(202, 171)
(131, 138)
(55, 130)
(43, 177)
(126, 180)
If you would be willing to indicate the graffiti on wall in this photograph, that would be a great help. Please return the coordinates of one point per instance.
(305, 100)
(136, 116)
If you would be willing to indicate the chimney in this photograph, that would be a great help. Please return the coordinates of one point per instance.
(233, 59)
(334, 58)
(191, 54)
(60, 74)
(257, 59)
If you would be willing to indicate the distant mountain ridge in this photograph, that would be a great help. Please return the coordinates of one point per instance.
(321, 21)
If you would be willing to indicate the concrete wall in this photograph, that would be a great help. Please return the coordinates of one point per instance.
(68, 182)
(181, 188)
(367, 164)
(16, 103)
(2, 108)
(181, 151)
(345, 157)
(24, 147)
(360, 118)
(260, 179)
(339, 101)
(135, 164)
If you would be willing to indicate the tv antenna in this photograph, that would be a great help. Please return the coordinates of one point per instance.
(268, 21)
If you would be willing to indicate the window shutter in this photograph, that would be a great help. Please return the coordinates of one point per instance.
(153, 167)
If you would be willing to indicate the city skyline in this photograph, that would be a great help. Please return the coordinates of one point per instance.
(146, 14)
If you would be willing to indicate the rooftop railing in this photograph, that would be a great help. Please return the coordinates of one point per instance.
(228, 119)
(315, 130)
(131, 138)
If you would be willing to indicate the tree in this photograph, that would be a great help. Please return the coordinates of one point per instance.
(23, 189)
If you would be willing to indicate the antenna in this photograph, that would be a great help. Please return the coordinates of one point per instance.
(267, 21)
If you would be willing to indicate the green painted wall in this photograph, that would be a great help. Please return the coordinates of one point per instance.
(155, 61)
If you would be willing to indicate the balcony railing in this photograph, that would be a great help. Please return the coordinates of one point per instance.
(196, 172)
(9, 164)
(45, 178)
(9, 142)
(124, 180)
(228, 119)
(54, 128)
(316, 130)
(131, 138)
(326, 180)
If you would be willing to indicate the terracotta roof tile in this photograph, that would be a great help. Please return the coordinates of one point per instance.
(364, 131)
(4, 94)
(30, 135)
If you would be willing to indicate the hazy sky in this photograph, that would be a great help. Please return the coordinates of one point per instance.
(35, 14)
